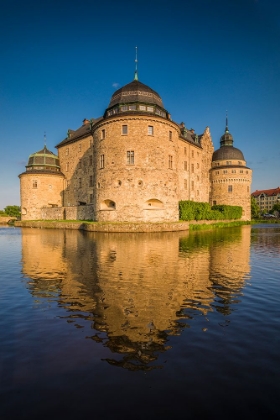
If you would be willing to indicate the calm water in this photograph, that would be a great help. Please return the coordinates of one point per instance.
(141, 326)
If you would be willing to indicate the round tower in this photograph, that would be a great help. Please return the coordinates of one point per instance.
(135, 156)
(230, 177)
(41, 185)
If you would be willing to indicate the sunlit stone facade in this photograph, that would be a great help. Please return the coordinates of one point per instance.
(133, 164)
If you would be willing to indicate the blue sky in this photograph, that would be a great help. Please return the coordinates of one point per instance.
(61, 61)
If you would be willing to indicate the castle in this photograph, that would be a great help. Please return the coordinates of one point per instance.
(133, 164)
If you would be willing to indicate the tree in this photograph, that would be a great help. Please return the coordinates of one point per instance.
(276, 208)
(13, 211)
(255, 210)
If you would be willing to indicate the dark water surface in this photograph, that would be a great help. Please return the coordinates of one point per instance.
(140, 326)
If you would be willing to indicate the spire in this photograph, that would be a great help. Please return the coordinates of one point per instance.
(226, 130)
(45, 141)
(226, 139)
(136, 61)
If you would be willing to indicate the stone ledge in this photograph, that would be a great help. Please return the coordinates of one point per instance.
(128, 227)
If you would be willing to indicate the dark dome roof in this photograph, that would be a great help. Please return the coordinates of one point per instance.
(226, 153)
(135, 92)
(44, 160)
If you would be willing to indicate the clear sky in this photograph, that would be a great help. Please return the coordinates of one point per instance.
(62, 60)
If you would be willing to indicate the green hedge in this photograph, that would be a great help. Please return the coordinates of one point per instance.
(190, 210)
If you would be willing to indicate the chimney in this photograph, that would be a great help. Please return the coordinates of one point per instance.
(85, 121)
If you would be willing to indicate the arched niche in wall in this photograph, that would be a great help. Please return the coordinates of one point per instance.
(153, 204)
(107, 205)
(23, 211)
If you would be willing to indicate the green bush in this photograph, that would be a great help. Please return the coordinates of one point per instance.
(191, 210)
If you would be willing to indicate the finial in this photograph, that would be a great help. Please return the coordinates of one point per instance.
(136, 61)
(45, 140)
(226, 122)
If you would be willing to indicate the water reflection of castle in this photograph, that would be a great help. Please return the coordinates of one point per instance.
(136, 288)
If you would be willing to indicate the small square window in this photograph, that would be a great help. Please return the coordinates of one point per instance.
(124, 130)
(150, 130)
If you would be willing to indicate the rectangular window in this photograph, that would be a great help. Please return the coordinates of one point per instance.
(90, 160)
(192, 185)
(103, 134)
(67, 166)
(91, 198)
(170, 161)
(170, 135)
(101, 161)
(225, 171)
(217, 172)
(150, 109)
(185, 184)
(228, 162)
(185, 150)
(130, 157)
(67, 151)
(80, 164)
(185, 166)
(35, 185)
(233, 171)
(150, 130)
(132, 107)
(124, 130)
(241, 171)
(197, 165)
(229, 188)
(91, 181)
(80, 182)
(142, 108)
(192, 153)
(124, 108)
(80, 147)
(192, 168)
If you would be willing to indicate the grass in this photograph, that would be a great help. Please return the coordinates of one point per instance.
(218, 225)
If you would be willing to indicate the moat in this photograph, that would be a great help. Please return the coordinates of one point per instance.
(140, 325)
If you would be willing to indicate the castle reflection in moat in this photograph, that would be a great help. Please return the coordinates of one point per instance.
(136, 289)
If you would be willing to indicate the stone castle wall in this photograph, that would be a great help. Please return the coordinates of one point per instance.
(164, 169)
